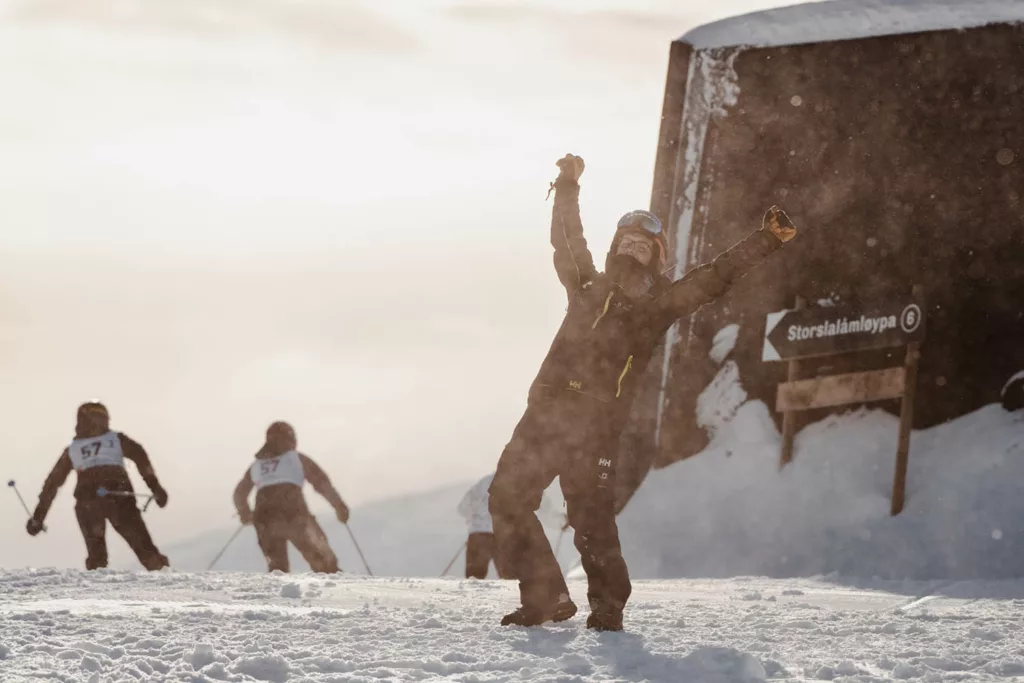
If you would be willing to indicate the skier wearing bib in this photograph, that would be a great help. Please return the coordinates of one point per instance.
(580, 400)
(97, 454)
(282, 515)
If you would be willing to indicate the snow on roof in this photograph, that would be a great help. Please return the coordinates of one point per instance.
(818, 22)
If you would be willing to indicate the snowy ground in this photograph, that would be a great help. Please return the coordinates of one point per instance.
(126, 626)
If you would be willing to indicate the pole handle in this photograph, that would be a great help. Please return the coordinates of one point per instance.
(28, 512)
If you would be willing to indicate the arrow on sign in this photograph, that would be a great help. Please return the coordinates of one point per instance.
(769, 352)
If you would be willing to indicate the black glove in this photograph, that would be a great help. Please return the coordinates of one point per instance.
(776, 220)
(160, 496)
(34, 526)
(570, 167)
(342, 512)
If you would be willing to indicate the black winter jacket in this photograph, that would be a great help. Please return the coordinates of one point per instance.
(606, 339)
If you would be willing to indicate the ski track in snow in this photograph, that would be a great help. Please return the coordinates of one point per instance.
(69, 625)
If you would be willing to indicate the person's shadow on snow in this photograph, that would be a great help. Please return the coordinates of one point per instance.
(628, 659)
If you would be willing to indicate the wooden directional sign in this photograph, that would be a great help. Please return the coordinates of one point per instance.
(826, 331)
(839, 390)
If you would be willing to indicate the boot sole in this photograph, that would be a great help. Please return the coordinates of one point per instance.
(564, 614)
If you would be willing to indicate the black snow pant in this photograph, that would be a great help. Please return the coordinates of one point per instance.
(273, 532)
(575, 438)
(481, 548)
(123, 514)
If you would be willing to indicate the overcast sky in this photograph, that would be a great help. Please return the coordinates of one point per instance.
(216, 214)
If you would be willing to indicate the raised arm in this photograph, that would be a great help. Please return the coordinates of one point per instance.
(573, 261)
(321, 483)
(58, 475)
(134, 451)
(707, 282)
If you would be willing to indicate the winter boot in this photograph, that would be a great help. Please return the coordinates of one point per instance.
(561, 610)
(605, 620)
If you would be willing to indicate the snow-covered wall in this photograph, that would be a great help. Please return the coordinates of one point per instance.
(818, 22)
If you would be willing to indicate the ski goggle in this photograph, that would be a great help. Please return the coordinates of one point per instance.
(644, 220)
(648, 224)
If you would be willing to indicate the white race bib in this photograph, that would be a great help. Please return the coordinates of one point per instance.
(284, 469)
(100, 451)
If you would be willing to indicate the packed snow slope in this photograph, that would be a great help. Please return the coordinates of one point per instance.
(729, 511)
(109, 625)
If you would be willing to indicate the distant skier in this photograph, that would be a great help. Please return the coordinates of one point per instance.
(580, 399)
(97, 454)
(480, 545)
(282, 515)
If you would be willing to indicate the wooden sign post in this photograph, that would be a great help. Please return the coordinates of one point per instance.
(829, 331)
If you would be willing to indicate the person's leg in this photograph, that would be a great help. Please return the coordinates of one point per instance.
(311, 541)
(524, 471)
(478, 555)
(589, 490)
(501, 564)
(126, 518)
(273, 540)
(93, 522)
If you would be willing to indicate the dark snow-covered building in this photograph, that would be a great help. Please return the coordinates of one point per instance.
(892, 131)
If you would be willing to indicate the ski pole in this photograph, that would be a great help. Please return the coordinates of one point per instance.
(358, 549)
(558, 543)
(28, 512)
(224, 549)
(101, 492)
(14, 486)
(457, 553)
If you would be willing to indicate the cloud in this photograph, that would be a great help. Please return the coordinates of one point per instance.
(619, 20)
(630, 20)
(625, 38)
(341, 24)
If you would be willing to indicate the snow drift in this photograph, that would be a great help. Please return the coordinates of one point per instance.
(729, 511)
